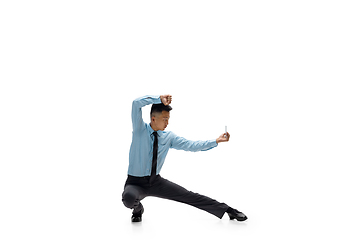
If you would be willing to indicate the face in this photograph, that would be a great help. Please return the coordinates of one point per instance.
(160, 121)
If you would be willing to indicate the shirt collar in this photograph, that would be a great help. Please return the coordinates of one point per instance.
(150, 130)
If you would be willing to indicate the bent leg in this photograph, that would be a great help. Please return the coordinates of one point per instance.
(169, 190)
(131, 197)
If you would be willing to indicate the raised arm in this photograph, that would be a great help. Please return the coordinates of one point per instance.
(136, 113)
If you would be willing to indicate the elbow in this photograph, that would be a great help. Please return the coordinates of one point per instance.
(134, 103)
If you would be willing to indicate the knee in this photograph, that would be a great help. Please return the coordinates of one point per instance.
(129, 199)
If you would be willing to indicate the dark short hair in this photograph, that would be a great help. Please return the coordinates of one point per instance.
(158, 108)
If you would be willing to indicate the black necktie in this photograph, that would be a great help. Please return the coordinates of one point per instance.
(154, 161)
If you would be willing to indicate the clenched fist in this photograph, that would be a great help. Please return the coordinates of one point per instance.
(166, 99)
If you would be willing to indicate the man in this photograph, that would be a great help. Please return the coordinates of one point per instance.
(150, 144)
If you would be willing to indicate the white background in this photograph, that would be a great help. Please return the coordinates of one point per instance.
(282, 75)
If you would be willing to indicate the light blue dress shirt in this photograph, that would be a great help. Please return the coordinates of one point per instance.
(141, 150)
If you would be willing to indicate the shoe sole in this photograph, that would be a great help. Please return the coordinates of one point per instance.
(136, 220)
(240, 220)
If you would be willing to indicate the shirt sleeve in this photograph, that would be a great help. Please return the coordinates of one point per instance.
(136, 112)
(181, 143)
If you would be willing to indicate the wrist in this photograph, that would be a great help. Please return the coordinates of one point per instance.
(162, 99)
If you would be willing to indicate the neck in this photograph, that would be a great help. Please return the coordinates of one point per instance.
(155, 129)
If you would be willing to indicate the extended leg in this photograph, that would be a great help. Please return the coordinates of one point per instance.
(169, 190)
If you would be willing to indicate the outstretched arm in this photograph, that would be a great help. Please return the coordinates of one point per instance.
(181, 143)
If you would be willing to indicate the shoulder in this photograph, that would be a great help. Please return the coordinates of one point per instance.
(168, 135)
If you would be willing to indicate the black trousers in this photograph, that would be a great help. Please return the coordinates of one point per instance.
(137, 188)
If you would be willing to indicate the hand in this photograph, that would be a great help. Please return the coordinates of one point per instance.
(166, 99)
(225, 137)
